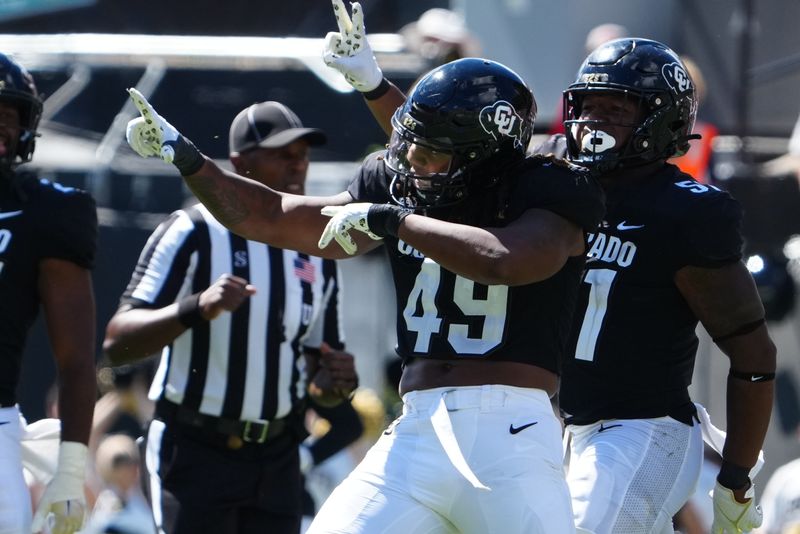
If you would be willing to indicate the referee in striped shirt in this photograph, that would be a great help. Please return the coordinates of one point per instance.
(245, 330)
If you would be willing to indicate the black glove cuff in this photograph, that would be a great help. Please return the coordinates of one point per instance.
(189, 311)
(385, 219)
(187, 158)
(379, 91)
(733, 476)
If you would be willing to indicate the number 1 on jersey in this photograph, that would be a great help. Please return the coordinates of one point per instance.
(599, 281)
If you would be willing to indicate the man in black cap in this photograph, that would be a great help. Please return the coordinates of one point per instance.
(245, 330)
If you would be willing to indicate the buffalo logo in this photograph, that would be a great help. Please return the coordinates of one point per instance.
(594, 77)
(677, 78)
(409, 122)
(501, 119)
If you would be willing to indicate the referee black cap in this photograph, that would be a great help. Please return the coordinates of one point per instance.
(270, 125)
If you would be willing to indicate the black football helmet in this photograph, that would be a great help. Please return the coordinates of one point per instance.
(17, 89)
(654, 75)
(477, 114)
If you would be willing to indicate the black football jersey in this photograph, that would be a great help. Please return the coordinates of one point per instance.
(445, 316)
(633, 336)
(40, 220)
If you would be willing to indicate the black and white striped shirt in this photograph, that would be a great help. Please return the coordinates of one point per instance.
(244, 364)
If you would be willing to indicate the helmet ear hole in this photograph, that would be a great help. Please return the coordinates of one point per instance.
(676, 126)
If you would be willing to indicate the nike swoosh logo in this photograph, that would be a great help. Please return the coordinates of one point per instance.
(4, 422)
(623, 226)
(756, 378)
(9, 214)
(520, 428)
(604, 428)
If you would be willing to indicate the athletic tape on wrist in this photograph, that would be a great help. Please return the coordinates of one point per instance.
(385, 219)
(733, 476)
(187, 159)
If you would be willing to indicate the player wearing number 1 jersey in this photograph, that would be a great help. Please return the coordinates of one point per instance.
(487, 248)
(666, 256)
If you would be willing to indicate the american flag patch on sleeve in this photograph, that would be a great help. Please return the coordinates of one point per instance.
(304, 270)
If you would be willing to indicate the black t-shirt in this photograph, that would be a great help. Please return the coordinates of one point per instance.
(445, 316)
(633, 335)
(41, 220)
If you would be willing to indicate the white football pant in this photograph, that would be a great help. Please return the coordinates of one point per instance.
(470, 460)
(630, 476)
(15, 500)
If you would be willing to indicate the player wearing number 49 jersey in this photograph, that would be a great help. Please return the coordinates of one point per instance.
(487, 248)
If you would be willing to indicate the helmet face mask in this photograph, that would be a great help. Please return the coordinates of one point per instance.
(653, 76)
(461, 127)
(424, 176)
(18, 90)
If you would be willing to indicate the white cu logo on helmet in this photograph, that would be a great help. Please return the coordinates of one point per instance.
(676, 77)
(502, 119)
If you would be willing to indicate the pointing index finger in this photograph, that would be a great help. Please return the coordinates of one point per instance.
(141, 103)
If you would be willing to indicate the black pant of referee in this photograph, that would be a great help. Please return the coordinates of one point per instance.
(206, 474)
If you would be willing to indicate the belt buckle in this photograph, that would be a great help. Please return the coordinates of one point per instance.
(262, 436)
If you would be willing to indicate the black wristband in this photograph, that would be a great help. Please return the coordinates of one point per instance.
(751, 377)
(733, 476)
(189, 311)
(187, 158)
(379, 91)
(385, 219)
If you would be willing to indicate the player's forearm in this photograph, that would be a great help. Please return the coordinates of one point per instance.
(749, 394)
(749, 406)
(76, 396)
(383, 108)
(496, 256)
(236, 202)
(135, 334)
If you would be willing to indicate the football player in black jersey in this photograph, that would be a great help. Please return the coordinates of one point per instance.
(486, 247)
(666, 256)
(47, 246)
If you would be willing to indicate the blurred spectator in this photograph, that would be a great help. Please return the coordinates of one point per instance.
(788, 163)
(781, 500)
(120, 507)
(440, 36)
(697, 161)
(123, 406)
(324, 477)
(117, 465)
(331, 430)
